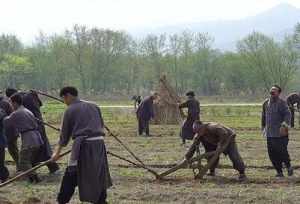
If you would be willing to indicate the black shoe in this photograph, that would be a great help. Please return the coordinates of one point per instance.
(242, 177)
(54, 168)
(290, 171)
(279, 175)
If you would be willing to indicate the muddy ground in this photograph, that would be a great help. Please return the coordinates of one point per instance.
(135, 185)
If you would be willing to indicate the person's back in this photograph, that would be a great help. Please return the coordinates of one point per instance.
(145, 109)
(216, 133)
(4, 104)
(85, 119)
(32, 102)
(24, 123)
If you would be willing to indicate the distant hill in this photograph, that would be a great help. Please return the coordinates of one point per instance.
(276, 22)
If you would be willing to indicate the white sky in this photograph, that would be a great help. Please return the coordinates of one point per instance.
(26, 18)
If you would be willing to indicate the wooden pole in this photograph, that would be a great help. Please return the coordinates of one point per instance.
(25, 173)
(115, 155)
(125, 146)
(184, 163)
(108, 130)
(47, 124)
(45, 94)
(157, 176)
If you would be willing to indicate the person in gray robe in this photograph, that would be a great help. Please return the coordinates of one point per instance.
(88, 166)
(22, 122)
(193, 106)
(32, 102)
(275, 121)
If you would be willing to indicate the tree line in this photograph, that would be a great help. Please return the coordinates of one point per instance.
(106, 62)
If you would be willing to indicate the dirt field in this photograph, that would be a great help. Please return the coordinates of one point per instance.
(134, 185)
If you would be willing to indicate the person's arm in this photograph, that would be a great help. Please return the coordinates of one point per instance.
(101, 118)
(65, 135)
(151, 107)
(196, 142)
(298, 105)
(183, 105)
(263, 116)
(286, 114)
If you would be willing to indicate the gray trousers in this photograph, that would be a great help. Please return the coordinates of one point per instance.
(27, 158)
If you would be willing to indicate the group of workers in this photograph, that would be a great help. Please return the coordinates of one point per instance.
(88, 168)
(277, 117)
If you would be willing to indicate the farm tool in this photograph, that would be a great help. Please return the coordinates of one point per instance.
(195, 163)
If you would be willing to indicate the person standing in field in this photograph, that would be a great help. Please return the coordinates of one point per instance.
(32, 102)
(22, 122)
(88, 166)
(144, 114)
(193, 106)
(292, 100)
(275, 121)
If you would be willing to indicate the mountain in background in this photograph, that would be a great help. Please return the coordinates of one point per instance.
(276, 22)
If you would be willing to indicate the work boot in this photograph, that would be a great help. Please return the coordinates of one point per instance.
(290, 171)
(242, 177)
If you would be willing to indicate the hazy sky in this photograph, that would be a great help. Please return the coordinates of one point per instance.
(27, 17)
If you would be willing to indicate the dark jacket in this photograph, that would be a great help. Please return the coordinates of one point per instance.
(193, 107)
(292, 99)
(32, 102)
(5, 110)
(145, 109)
(274, 113)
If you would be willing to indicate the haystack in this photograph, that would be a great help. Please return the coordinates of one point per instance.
(166, 111)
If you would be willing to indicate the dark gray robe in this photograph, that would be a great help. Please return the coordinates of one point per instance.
(22, 122)
(193, 107)
(145, 110)
(83, 120)
(32, 102)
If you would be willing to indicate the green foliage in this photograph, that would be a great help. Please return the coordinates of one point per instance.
(101, 61)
